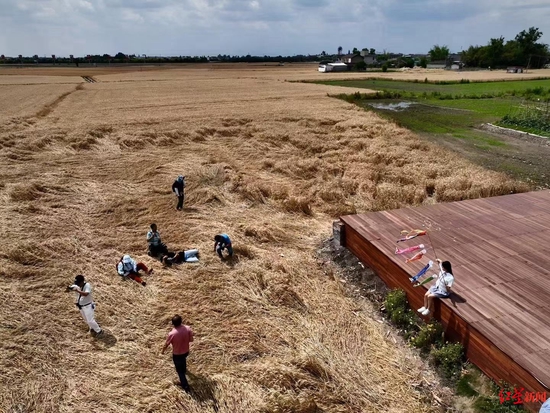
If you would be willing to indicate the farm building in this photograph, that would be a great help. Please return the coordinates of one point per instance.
(333, 67)
(457, 65)
(437, 64)
(369, 59)
(351, 59)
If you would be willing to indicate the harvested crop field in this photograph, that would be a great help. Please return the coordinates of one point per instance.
(267, 161)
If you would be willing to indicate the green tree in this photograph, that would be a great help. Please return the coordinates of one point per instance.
(439, 52)
(424, 62)
(360, 66)
(355, 50)
(528, 47)
(405, 62)
(372, 51)
(522, 51)
(494, 52)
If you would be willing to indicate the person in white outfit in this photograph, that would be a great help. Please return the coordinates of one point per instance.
(441, 289)
(85, 302)
(127, 267)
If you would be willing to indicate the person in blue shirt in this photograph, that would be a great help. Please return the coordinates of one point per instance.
(222, 242)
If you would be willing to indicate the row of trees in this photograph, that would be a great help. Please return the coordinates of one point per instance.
(120, 58)
(524, 50)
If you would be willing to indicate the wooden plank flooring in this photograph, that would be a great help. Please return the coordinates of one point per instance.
(500, 252)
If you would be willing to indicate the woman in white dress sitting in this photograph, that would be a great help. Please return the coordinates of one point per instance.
(441, 289)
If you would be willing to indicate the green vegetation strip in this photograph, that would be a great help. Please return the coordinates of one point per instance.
(458, 108)
(463, 87)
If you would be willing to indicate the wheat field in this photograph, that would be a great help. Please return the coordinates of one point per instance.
(84, 170)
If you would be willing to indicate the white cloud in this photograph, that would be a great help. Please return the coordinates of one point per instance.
(132, 16)
(275, 27)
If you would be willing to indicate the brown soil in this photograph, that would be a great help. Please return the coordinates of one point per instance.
(525, 159)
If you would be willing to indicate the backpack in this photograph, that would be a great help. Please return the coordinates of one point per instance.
(116, 266)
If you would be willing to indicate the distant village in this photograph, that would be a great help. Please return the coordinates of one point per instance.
(364, 59)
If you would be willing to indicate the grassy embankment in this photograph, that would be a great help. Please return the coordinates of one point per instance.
(452, 113)
(485, 101)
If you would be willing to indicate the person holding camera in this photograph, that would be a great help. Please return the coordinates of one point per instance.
(85, 303)
(156, 246)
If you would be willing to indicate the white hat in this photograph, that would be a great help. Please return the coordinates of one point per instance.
(126, 259)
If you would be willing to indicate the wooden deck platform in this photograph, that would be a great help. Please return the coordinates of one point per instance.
(499, 249)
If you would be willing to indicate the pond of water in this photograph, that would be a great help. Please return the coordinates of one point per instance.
(394, 107)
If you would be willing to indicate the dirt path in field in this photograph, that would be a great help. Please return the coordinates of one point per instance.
(524, 159)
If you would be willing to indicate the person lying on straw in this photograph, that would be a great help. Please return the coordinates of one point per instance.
(180, 257)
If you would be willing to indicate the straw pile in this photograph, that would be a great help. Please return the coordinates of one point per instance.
(268, 162)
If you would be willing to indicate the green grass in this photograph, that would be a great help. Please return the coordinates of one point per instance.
(442, 117)
(493, 108)
(465, 386)
(451, 115)
(534, 131)
(475, 88)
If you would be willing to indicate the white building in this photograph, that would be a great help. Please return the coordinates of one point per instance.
(333, 67)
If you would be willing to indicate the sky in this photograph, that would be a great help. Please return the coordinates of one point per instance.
(259, 27)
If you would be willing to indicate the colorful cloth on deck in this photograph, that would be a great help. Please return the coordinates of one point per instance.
(422, 271)
(426, 281)
(416, 256)
(410, 249)
(411, 234)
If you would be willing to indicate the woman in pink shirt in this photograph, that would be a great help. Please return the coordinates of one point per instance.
(179, 338)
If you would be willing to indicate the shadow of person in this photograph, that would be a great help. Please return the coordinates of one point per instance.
(203, 389)
(457, 299)
(231, 261)
(190, 209)
(105, 340)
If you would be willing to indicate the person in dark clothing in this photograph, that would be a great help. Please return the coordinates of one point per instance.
(177, 188)
(222, 242)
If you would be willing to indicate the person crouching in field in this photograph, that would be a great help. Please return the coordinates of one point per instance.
(177, 188)
(156, 246)
(85, 303)
(179, 338)
(441, 289)
(222, 242)
(127, 267)
(180, 257)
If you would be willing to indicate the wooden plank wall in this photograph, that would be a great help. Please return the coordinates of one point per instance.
(479, 350)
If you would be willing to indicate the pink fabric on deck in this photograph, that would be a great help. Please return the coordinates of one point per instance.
(410, 249)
